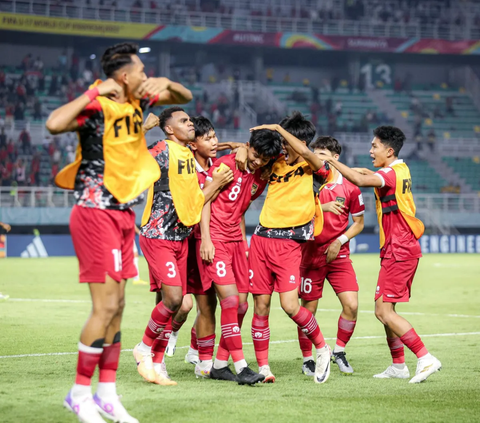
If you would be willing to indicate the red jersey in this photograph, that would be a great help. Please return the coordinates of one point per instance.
(400, 243)
(202, 176)
(334, 226)
(232, 202)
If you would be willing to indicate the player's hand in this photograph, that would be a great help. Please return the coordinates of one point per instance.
(223, 177)
(151, 121)
(241, 158)
(334, 207)
(266, 173)
(207, 251)
(271, 127)
(325, 158)
(154, 86)
(7, 227)
(109, 88)
(332, 250)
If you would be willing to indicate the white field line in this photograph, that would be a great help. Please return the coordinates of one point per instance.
(46, 300)
(287, 341)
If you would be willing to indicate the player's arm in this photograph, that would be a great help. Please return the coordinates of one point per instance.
(363, 170)
(150, 122)
(219, 180)
(334, 248)
(244, 233)
(63, 119)
(5, 226)
(229, 146)
(207, 250)
(298, 146)
(360, 180)
(165, 91)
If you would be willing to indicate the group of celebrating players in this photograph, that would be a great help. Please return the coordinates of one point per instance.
(193, 235)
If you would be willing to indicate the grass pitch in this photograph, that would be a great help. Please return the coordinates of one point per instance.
(48, 308)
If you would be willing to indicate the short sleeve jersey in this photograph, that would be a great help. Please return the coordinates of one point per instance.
(90, 190)
(400, 243)
(164, 222)
(232, 202)
(334, 226)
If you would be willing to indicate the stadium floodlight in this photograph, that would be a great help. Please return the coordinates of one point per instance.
(93, 56)
(144, 50)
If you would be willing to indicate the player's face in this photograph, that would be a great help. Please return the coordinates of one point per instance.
(319, 151)
(290, 155)
(135, 76)
(206, 145)
(181, 127)
(255, 160)
(379, 153)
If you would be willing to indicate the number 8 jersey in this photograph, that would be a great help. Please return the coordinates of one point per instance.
(232, 202)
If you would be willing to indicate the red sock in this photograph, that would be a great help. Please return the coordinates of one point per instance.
(193, 339)
(176, 326)
(160, 344)
(108, 363)
(158, 320)
(261, 338)
(242, 311)
(305, 343)
(222, 350)
(205, 347)
(396, 349)
(230, 329)
(414, 343)
(345, 331)
(88, 359)
(308, 324)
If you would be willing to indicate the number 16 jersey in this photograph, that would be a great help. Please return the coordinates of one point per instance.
(232, 202)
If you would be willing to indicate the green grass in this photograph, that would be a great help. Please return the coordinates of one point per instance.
(32, 388)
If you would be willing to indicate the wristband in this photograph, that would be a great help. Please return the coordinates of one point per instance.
(343, 239)
(92, 94)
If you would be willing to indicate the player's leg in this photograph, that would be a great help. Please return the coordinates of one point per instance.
(228, 296)
(191, 357)
(398, 368)
(177, 322)
(346, 325)
(205, 330)
(394, 285)
(311, 290)
(261, 334)
(136, 279)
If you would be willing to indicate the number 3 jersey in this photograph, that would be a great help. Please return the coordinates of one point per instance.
(232, 202)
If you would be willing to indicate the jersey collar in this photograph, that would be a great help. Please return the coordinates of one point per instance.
(199, 168)
(398, 161)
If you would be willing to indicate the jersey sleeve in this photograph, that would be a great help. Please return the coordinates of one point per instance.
(387, 176)
(356, 206)
(147, 102)
(89, 115)
(323, 172)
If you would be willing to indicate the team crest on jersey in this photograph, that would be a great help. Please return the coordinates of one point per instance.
(254, 189)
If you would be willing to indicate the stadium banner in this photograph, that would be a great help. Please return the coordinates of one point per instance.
(41, 246)
(205, 35)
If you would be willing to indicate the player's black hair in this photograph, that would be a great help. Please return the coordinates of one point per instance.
(117, 56)
(202, 126)
(167, 114)
(299, 126)
(328, 143)
(391, 136)
(266, 143)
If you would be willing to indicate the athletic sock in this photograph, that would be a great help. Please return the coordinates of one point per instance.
(397, 351)
(220, 364)
(240, 365)
(159, 319)
(308, 324)
(261, 338)
(193, 339)
(176, 326)
(230, 329)
(242, 311)
(308, 358)
(414, 343)
(108, 363)
(344, 333)
(88, 359)
(222, 351)
(206, 346)
(135, 262)
(160, 344)
(305, 344)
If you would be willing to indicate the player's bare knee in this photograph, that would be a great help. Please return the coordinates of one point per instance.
(290, 307)
(350, 309)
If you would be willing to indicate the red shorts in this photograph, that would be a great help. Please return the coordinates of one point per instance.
(230, 266)
(340, 275)
(274, 265)
(103, 243)
(195, 268)
(167, 262)
(395, 280)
